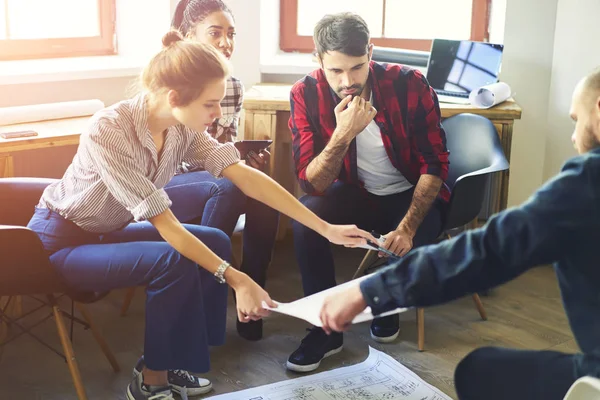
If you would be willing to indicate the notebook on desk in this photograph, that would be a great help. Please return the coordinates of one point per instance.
(456, 67)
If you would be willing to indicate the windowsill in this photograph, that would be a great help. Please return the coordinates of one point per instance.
(288, 64)
(68, 69)
(303, 63)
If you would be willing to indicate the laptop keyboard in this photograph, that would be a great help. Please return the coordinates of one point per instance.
(454, 94)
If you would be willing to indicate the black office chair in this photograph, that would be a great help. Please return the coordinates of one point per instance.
(475, 154)
(25, 270)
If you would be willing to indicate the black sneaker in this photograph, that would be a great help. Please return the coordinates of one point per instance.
(251, 330)
(316, 346)
(180, 381)
(137, 390)
(385, 329)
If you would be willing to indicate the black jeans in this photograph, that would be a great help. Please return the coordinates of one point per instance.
(348, 204)
(493, 373)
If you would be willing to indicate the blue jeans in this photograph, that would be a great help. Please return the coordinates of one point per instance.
(498, 374)
(348, 204)
(185, 306)
(200, 198)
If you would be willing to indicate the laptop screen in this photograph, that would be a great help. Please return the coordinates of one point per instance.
(461, 66)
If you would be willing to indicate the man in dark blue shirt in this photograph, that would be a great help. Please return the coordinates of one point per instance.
(559, 224)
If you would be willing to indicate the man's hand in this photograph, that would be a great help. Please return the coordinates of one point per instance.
(339, 310)
(353, 120)
(258, 161)
(398, 242)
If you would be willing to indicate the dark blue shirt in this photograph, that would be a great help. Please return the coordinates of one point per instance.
(559, 225)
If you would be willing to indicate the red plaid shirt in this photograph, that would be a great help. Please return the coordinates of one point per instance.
(408, 115)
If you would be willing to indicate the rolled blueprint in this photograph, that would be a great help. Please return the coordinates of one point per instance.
(490, 95)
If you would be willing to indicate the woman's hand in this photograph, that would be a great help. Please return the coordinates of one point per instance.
(258, 161)
(347, 235)
(249, 298)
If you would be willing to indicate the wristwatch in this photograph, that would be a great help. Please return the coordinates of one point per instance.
(220, 273)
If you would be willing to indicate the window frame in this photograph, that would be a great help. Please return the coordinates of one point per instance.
(290, 41)
(105, 44)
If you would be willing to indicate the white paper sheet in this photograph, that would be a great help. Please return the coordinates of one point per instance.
(309, 308)
(490, 95)
(45, 112)
(379, 377)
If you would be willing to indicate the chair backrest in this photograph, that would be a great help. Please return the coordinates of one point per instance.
(18, 198)
(475, 153)
(24, 265)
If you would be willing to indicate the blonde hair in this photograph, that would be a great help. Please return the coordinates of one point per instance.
(184, 66)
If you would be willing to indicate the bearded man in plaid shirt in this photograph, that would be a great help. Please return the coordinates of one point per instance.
(369, 149)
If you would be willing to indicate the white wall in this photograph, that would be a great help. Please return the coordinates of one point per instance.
(575, 54)
(526, 67)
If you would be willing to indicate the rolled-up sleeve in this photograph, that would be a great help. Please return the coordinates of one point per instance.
(207, 153)
(430, 137)
(122, 175)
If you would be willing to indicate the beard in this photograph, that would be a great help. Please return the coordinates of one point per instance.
(358, 89)
(590, 139)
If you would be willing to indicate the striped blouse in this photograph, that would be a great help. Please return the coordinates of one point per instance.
(116, 176)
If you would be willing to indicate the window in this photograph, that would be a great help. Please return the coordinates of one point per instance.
(56, 28)
(405, 24)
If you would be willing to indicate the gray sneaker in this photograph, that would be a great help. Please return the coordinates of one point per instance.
(137, 390)
(180, 381)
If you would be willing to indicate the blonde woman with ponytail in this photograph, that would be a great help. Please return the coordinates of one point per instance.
(129, 152)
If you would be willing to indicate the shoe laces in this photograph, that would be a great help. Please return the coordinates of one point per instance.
(185, 375)
(163, 396)
(315, 336)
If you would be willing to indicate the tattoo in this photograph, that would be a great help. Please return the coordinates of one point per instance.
(325, 168)
(425, 194)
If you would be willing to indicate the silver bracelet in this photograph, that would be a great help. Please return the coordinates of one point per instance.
(220, 272)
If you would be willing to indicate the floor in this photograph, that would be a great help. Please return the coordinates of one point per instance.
(526, 313)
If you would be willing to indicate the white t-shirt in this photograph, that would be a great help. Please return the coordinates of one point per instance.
(375, 169)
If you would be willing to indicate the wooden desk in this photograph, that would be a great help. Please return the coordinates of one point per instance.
(60, 132)
(267, 111)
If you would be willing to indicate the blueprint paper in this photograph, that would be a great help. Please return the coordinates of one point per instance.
(309, 308)
(379, 377)
(490, 95)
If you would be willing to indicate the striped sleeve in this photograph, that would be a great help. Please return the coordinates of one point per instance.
(207, 153)
(123, 176)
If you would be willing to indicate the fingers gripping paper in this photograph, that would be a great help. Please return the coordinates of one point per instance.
(309, 308)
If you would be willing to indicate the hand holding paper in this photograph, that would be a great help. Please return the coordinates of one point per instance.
(310, 308)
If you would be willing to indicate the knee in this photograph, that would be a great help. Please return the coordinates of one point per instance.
(218, 242)
(316, 204)
(467, 371)
(224, 187)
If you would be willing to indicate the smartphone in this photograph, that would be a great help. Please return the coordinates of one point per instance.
(246, 146)
(18, 134)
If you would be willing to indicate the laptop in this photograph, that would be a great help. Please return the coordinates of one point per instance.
(457, 67)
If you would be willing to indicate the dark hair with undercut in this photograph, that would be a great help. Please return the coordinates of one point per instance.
(345, 32)
(189, 13)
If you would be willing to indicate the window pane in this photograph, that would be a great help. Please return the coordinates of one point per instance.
(428, 19)
(2, 21)
(311, 11)
(44, 19)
